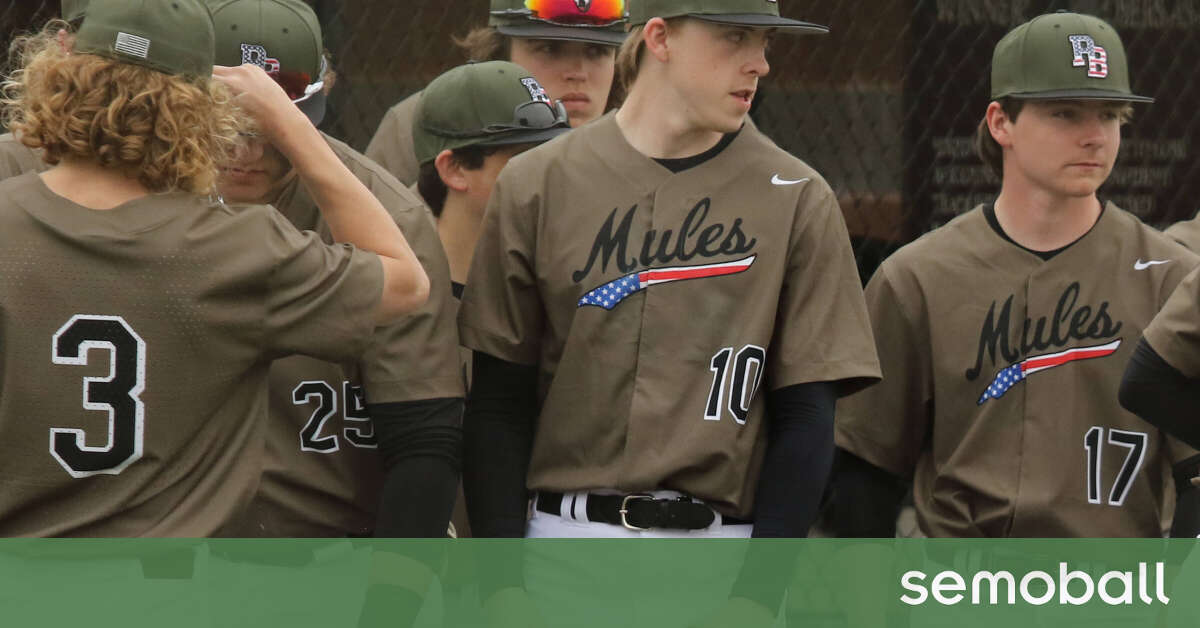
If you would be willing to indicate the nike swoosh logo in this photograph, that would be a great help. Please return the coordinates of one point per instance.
(777, 181)
(1140, 265)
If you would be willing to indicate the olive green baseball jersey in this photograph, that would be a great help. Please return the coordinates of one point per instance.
(392, 146)
(323, 473)
(134, 349)
(17, 158)
(1175, 331)
(1186, 232)
(660, 307)
(1000, 377)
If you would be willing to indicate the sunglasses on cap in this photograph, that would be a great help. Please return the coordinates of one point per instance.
(535, 115)
(571, 12)
(299, 86)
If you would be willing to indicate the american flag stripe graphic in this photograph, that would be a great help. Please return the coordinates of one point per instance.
(1008, 377)
(611, 294)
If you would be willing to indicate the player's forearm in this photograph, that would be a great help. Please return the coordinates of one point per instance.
(497, 443)
(1186, 521)
(1161, 395)
(865, 500)
(418, 439)
(799, 456)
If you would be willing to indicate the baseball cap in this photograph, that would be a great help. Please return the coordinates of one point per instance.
(495, 103)
(753, 13)
(170, 36)
(592, 21)
(73, 9)
(1062, 56)
(283, 37)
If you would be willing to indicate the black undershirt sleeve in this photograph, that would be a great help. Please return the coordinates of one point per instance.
(421, 445)
(1161, 395)
(864, 499)
(795, 468)
(1186, 523)
(798, 458)
(498, 440)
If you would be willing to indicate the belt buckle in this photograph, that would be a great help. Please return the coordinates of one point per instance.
(625, 509)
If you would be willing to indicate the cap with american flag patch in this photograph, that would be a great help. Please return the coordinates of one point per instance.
(170, 36)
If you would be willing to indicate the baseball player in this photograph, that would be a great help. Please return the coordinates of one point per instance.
(388, 419)
(568, 45)
(663, 307)
(1003, 334)
(472, 120)
(158, 306)
(15, 157)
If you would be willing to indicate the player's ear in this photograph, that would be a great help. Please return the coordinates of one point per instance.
(654, 35)
(999, 124)
(450, 171)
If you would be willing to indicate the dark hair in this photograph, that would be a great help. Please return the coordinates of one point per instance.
(430, 184)
(991, 153)
(985, 145)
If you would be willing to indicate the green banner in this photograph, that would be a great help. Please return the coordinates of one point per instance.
(169, 583)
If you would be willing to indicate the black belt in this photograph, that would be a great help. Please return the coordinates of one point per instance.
(639, 511)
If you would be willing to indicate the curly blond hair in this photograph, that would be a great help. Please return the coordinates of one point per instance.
(168, 132)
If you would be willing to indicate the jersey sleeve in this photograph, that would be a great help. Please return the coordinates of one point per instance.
(822, 333)
(320, 298)
(886, 423)
(1175, 331)
(502, 312)
(416, 358)
(392, 145)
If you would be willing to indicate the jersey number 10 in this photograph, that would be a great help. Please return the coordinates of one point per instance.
(750, 357)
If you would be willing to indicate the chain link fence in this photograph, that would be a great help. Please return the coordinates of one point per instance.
(885, 106)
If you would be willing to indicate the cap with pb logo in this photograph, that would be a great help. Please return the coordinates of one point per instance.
(593, 21)
(283, 37)
(170, 36)
(752, 13)
(1062, 56)
(495, 103)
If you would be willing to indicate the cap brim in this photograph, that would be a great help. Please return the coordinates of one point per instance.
(314, 107)
(524, 137)
(590, 34)
(1080, 94)
(762, 20)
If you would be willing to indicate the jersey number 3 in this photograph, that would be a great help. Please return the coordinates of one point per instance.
(116, 394)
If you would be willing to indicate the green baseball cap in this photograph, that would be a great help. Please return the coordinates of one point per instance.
(73, 9)
(1062, 56)
(752, 13)
(495, 103)
(282, 37)
(171, 36)
(592, 21)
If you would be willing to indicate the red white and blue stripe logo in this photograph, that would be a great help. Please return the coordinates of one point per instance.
(612, 293)
(1009, 377)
